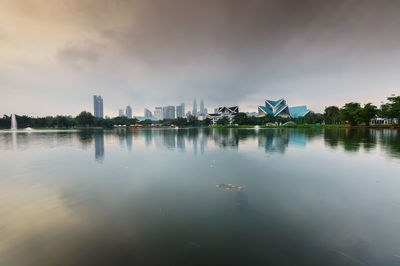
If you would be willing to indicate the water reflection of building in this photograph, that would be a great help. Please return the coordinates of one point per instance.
(226, 138)
(148, 137)
(99, 147)
(180, 141)
(276, 141)
(129, 141)
(169, 139)
(203, 142)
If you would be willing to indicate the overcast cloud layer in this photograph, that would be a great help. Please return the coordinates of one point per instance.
(55, 54)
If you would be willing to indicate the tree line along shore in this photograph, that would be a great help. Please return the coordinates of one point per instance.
(352, 114)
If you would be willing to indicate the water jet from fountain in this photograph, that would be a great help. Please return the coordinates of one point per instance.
(13, 122)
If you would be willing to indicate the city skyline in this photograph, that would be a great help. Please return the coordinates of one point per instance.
(318, 53)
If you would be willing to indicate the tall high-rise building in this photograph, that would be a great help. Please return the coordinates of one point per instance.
(215, 110)
(180, 110)
(194, 112)
(121, 112)
(147, 113)
(158, 113)
(98, 106)
(169, 112)
(202, 107)
(128, 111)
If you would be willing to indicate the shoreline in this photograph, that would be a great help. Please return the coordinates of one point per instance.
(227, 126)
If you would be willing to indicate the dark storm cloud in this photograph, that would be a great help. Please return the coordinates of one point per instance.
(228, 51)
(253, 40)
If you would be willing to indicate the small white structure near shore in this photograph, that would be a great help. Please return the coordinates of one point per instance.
(384, 121)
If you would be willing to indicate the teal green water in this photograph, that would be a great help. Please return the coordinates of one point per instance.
(149, 197)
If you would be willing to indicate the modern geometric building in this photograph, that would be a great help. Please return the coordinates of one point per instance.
(224, 111)
(98, 106)
(121, 112)
(281, 109)
(128, 111)
(298, 111)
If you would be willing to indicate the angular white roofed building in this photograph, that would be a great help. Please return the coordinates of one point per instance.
(281, 109)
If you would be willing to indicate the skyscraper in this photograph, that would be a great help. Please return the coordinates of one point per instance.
(169, 112)
(180, 110)
(121, 112)
(98, 106)
(128, 111)
(202, 107)
(147, 113)
(158, 113)
(194, 112)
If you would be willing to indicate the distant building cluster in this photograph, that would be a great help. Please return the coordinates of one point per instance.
(127, 113)
(277, 108)
(173, 112)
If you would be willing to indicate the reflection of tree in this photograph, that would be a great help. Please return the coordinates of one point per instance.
(85, 137)
(390, 141)
(351, 139)
(368, 139)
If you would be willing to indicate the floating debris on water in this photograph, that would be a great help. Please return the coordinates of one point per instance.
(229, 187)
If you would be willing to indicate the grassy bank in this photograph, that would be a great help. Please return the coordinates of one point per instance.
(308, 126)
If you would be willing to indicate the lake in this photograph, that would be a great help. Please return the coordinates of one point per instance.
(150, 197)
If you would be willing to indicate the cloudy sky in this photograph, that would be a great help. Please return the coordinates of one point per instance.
(55, 54)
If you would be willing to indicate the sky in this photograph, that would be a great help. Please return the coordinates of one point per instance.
(56, 54)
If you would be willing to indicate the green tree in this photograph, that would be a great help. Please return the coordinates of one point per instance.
(240, 119)
(332, 113)
(193, 121)
(207, 121)
(366, 113)
(85, 119)
(349, 112)
(223, 121)
(392, 109)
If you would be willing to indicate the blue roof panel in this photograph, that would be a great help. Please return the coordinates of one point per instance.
(298, 111)
(273, 103)
(265, 109)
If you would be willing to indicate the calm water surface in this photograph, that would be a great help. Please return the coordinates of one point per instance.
(149, 197)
